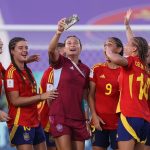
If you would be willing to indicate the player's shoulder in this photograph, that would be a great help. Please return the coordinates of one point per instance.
(85, 66)
(10, 71)
(98, 65)
(49, 69)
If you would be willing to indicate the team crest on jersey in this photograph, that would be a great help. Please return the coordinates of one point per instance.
(49, 87)
(72, 68)
(59, 127)
(26, 136)
(10, 83)
(102, 76)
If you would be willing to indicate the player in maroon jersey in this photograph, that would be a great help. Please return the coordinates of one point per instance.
(68, 124)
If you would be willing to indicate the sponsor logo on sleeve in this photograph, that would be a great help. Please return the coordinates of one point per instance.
(10, 83)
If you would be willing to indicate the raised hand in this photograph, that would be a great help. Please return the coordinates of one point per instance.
(61, 25)
(128, 17)
(33, 58)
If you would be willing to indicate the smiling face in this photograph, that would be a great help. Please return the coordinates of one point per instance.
(20, 52)
(72, 46)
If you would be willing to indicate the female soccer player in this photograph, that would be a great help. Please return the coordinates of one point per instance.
(103, 98)
(32, 58)
(47, 83)
(68, 125)
(3, 115)
(134, 87)
(21, 92)
(130, 35)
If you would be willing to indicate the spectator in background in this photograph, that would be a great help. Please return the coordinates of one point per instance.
(103, 98)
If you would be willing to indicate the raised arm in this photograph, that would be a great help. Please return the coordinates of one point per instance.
(116, 58)
(129, 32)
(53, 55)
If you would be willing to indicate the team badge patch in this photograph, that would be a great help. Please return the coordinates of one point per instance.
(49, 87)
(26, 136)
(10, 83)
(59, 127)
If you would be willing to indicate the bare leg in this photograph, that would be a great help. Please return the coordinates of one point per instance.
(139, 146)
(25, 147)
(126, 145)
(98, 148)
(146, 147)
(78, 145)
(63, 142)
(41, 146)
(51, 148)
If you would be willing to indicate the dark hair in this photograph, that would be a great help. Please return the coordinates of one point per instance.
(74, 37)
(59, 45)
(142, 47)
(12, 44)
(118, 43)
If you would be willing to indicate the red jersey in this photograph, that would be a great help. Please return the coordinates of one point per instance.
(106, 93)
(25, 115)
(134, 85)
(2, 71)
(46, 82)
(70, 88)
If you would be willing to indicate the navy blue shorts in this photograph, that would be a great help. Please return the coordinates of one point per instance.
(25, 135)
(132, 128)
(50, 142)
(148, 137)
(105, 138)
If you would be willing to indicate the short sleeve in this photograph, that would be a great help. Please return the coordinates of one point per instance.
(11, 82)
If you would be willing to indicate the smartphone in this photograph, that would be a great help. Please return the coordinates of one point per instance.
(71, 21)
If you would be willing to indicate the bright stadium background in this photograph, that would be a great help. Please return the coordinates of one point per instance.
(36, 21)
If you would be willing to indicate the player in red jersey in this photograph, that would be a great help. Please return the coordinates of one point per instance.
(3, 115)
(103, 98)
(134, 86)
(32, 58)
(68, 125)
(20, 87)
(130, 35)
(46, 84)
